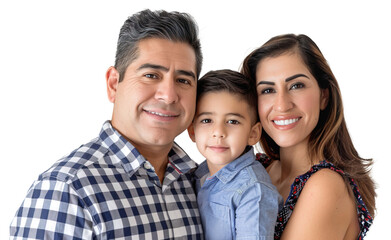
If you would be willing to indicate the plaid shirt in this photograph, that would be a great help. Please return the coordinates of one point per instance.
(106, 190)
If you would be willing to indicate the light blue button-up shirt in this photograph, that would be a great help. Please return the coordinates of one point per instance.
(239, 201)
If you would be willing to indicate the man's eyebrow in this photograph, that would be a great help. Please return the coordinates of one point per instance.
(159, 67)
(153, 66)
(187, 73)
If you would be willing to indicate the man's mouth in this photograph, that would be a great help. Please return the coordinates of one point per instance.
(161, 114)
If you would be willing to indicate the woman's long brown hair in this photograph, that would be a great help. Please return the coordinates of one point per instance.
(330, 140)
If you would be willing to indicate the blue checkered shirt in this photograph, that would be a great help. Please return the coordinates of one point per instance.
(106, 190)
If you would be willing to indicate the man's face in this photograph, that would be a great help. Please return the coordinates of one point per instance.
(155, 102)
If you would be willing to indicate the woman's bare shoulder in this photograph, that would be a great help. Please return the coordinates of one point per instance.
(325, 208)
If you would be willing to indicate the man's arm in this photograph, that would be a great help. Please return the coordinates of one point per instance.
(52, 210)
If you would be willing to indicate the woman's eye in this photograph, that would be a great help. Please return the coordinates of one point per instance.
(297, 86)
(233, 122)
(267, 91)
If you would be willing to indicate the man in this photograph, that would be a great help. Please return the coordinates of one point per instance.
(133, 181)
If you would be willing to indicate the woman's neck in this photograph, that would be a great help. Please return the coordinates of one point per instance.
(294, 161)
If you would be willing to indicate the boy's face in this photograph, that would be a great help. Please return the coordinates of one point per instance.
(222, 128)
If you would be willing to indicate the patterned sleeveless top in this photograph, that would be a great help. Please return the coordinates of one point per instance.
(364, 218)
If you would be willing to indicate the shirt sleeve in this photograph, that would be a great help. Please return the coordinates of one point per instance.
(256, 213)
(52, 210)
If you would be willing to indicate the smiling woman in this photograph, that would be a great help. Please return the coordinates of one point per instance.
(315, 166)
(290, 100)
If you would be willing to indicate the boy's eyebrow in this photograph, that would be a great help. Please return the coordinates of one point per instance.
(286, 80)
(159, 67)
(235, 114)
(204, 113)
(227, 114)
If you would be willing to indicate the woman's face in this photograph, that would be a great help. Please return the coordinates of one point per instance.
(289, 99)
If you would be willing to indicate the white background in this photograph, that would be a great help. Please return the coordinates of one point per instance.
(54, 55)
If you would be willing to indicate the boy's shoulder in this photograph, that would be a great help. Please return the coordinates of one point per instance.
(258, 172)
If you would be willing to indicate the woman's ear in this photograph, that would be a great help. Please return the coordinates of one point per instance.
(255, 134)
(324, 98)
(190, 131)
(112, 80)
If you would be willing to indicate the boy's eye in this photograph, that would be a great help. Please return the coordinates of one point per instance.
(233, 122)
(206, 121)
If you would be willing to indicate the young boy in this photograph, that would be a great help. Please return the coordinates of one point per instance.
(235, 197)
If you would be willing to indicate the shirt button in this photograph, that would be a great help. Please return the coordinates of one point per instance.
(147, 165)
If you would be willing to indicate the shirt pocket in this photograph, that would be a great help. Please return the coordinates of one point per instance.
(217, 221)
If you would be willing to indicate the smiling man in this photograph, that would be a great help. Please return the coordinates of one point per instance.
(132, 181)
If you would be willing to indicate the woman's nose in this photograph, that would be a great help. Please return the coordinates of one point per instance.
(282, 102)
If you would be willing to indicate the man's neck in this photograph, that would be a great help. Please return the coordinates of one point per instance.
(157, 156)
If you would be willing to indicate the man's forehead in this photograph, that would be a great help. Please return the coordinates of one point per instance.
(166, 53)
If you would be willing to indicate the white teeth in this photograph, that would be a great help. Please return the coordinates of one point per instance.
(160, 114)
(285, 122)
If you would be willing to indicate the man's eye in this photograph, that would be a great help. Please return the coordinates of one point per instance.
(184, 81)
(233, 122)
(149, 75)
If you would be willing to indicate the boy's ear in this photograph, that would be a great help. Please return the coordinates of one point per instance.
(190, 131)
(112, 78)
(255, 134)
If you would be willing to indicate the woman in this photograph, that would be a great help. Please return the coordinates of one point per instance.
(326, 186)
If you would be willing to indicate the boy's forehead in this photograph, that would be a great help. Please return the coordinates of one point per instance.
(214, 99)
(225, 101)
(221, 94)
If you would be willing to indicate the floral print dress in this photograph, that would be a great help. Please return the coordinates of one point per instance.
(364, 218)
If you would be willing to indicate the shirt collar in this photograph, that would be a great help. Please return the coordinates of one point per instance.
(231, 169)
(131, 157)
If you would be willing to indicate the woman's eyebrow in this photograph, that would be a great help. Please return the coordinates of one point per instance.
(286, 80)
(296, 76)
(265, 82)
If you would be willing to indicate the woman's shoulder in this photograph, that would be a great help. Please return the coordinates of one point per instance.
(332, 192)
(327, 184)
(324, 201)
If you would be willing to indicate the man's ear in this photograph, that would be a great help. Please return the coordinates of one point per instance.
(255, 134)
(112, 78)
(324, 98)
(190, 131)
